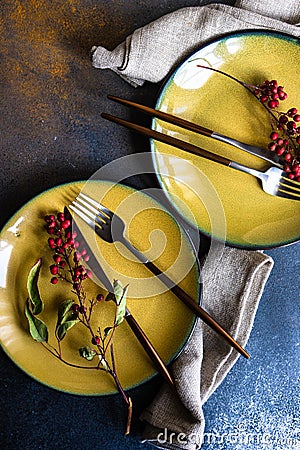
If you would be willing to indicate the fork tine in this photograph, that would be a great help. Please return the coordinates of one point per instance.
(289, 188)
(93, 202)
(292, 184)
(287, 195)
(74, 207)
(284, 191)
(89, 214)
(92, 212)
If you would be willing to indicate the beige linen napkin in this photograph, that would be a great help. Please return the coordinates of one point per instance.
(233, 282)
(150, 52)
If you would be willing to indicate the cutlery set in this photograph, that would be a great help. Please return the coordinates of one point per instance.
(98, 272)
(274, 180)
(111, 228)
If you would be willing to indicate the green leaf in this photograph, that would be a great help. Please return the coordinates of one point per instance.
(110, 296)
(118, 290)
(63, 312)
(87, 353)
(64, 327)
(120, 295)
(107, 330)
(37, 327)
(66, 318)
(32, 287)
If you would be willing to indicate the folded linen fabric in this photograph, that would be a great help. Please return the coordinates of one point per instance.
(233, 282)
(232, 287)
(152, 51)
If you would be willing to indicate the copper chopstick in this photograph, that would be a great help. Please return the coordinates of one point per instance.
(150, 349)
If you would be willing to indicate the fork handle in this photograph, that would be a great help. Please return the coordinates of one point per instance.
(197, 310)
(175, 120)
(199, 129)
(184, 297)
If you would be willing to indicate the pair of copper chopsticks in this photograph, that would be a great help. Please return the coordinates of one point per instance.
(188, 147)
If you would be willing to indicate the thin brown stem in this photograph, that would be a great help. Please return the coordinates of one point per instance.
(110, 337)
(129, 417)
(127, 400)
(245, 85)
(60, 358)
(117, 381)
(59, 347)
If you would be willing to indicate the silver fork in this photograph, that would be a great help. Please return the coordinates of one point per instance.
(274, 180)
(110, 227)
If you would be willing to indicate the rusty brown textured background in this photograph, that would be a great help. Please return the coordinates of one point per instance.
(50, 133)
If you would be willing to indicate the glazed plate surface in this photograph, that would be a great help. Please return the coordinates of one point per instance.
(224, 203)
(165, 320)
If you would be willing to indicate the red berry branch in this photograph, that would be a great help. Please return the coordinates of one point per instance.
(68, 252)
(67, 256)
(285, 135)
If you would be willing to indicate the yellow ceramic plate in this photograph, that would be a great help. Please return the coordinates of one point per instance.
(165, 320)
(222, 202)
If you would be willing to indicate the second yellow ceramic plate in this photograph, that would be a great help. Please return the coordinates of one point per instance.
(164, 319)
(224, 203)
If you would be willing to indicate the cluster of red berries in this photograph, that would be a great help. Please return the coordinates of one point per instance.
(63, 242)
(285, 137)
(67, 261)
(289, 153)
(269, 92)
(82, 309)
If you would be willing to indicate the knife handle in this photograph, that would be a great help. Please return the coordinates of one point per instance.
(168, 139)
(150, 350)
(197, 310)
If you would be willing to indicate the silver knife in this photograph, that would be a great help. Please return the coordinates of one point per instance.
(262, 153)
(97, 270)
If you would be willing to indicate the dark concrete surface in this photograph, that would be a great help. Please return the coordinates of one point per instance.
(51, 132)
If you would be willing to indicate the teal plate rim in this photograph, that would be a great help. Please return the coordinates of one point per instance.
(188, 334)
(162, 89)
